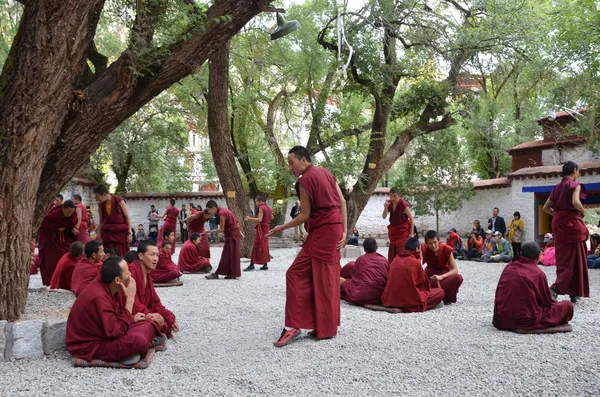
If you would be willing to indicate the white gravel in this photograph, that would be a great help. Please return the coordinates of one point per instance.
(226, 348)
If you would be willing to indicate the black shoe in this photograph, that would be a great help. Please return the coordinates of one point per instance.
(212, 276)
(575, 299)
(554, 294)
(264, 267)
(249, 268)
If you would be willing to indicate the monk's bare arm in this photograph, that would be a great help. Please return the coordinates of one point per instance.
(301, 218)
(344, 213)
(454, 265)
(259, 219)
(548, 207)
(125, 210)
(163, 215)
(221, 228)
(576, 201)
(408, 213)
(385, 209)
(79, 217)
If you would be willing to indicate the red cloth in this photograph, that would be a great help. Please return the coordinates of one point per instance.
(439, 265)
(348, 270)
(146, 299)
(196, 225)
(114, 228)
(99, 327)
(523, 299)
(83, 226)
(398, 229)
(477, 243)
(35, 260)
(313, 279)
(166, 270)
(170, 223)
(368, 281)
(229, 265)
(408, 286)
(260, 246)
(61, 279)
(189, 260)
(85, 272)
(55, 239)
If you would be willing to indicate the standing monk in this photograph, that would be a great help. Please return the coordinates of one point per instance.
(260, 247)
(56, 234)
(82, 219)
(196, 221)
(61, 279)
(570, 235)
(114, 229)
(313, 279)
(229, 266)
(441, 269)
(401, 225)
(171, 216)
(58, 200)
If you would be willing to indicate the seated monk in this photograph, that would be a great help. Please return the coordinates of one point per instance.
(441, 269)
(130, 256)
(408, 286)
(523, 298)
(101, 327)
(348, 270)
(110, 253)
(87, 268)
(369, 277)
(166, 270)
(61, 279)
(189, 260)
(146, 299)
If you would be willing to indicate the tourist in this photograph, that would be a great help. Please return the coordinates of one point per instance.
(153, 217)
(183, 227)
(474, 246)
(548, 256)
(502, 251)
(401, 225)
(260, 247)
(189, 260)
(229, 265)
(115, 224)
(140, 234)
(516, 229)
(477, 228)
(63, 274)
(454, 241)
(88, 268)
(496, 223)
(213, 224)
(441, 268)
(298, 229)
(368, 279)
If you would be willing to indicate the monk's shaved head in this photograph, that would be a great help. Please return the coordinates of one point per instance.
(69, 204)
(299, 152)
(395, 190)
(569, 168)
(431, 235)
(531, 250)
(76, 249)
(212, 204)
(412, 244)
(130, 256)
(100, 189)
(111, 269)
(77, 197)
(370, 245)
(194, 237)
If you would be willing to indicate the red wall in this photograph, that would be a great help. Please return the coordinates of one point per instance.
(526, 160)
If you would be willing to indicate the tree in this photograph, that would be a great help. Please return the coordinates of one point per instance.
(54, 105)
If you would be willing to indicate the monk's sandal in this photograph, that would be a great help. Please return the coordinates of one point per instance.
(287, 336)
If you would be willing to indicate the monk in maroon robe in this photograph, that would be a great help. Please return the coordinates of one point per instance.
(523, 299)
(189, 260)
(34, 264)
(441, 269)
(171, 217)
(114, 229)
(348, 270)
(61, 279)
(312, 281)
(166, 270)
(101, 327)
(146, 299)
(369, 278)
(408, 287)
(88, 268)
(570, 235)
(401, 222)
(260, 246)
(82, 219)
(196, 223)
(56, 234)
(229, 265)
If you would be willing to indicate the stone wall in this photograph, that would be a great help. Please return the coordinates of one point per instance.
(31, 339)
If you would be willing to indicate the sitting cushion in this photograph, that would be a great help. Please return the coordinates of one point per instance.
(173, 283)
(381, 308)
(551, 330)
(142, 364)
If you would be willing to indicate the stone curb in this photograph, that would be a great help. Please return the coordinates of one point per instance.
(31, 339)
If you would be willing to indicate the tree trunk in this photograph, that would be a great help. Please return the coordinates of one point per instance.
(122, 172)
(437, 220)
(221, 145)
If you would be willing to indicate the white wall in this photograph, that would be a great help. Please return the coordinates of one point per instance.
(577, 154)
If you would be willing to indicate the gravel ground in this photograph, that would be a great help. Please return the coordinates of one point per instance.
(228, 327)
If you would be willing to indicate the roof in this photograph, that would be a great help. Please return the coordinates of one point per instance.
(178, 195)
(563, 115)
(82, 180)
(553, 170)
(543, 144)
(491, 183)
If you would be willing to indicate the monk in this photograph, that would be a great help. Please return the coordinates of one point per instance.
(61, 279)
(312, 281)
(114, 229)
(401, 225)
(58, 200)
(34, 263)
(523, 299)
(229, 265)
(408, 286)
(101, 327)
(196, 221)
(109, 253)
(189, 260)
(82, 219)
(369, 278)
(441, 269)
(56, 234)
(131, 256)
(171, 217)
(146, 299)
(570, 235)
(260, 246)
(166, 270)
(348, 270)
(88, 268)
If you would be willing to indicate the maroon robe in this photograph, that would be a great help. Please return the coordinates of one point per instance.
(368, 281)
(170, 223)
(146, 299)
(166, 270)
(229, 265)
(408, 286)
(61, 279)
(83, 225)
(189, 260)
(99, 327)
(55, 239)
(34, 265)
(114, 228)
(348, 270)
(85, 272)
(398, 229)
(523, 299)
(313, 279)
(260, 246)
(570, 236)
(440, 264)
(196, 225)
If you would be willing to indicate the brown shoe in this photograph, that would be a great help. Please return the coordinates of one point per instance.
(212, 276)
